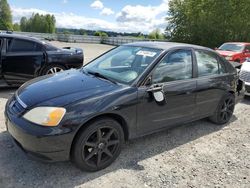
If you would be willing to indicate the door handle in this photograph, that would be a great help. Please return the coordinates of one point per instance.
(155, 88)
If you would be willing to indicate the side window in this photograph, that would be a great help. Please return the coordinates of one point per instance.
(8, 44)
(207, 63)
(176, 66)
(222, 68)
(38, 48)
(18, 45)
(247, 47)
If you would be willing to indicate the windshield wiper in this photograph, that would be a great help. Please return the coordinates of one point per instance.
(97, 74)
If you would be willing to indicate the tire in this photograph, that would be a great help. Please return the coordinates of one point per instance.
(224, 110)
(97, 146)
(52, 69)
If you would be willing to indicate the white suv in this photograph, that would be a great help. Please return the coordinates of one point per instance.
(245, 75)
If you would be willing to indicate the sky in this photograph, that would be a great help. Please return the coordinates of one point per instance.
(109, 15)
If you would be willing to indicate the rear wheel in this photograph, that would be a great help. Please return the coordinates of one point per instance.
(224, 110)
(98, 145)
(53, 69)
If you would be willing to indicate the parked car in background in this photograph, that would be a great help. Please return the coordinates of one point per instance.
(86, 114)
(24, 58)
(235, 51)
(245, 75)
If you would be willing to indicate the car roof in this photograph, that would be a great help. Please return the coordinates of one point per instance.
(166, 45)
(5, 35)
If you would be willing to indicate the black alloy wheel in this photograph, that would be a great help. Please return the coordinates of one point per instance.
(99, 145)
(224, 110)
(227, 109)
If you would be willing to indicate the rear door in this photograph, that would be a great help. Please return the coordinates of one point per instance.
(22, 61)
(211, 82)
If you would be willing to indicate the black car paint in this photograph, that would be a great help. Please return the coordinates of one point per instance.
(19, 67)
(87, 97)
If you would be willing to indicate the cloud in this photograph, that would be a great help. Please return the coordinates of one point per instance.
(148, 17)
(65, 1)
(68, 20)
(129, 19)
(20, 12)
(107, 12)
(97, 5)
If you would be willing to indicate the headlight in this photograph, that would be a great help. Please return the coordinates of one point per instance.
(228, 58)
(46, 116)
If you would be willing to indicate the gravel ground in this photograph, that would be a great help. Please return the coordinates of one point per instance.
(198, 154)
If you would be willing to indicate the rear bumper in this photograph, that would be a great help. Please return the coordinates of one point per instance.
(41, 143)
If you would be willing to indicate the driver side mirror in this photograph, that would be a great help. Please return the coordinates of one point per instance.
(157, 92)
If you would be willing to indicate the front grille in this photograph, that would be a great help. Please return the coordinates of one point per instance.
(15, 107)
(245, 76)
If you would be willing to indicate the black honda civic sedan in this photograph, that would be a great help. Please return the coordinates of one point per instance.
(133, 90)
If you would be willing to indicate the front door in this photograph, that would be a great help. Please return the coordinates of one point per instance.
(174, 74)
(22, 60)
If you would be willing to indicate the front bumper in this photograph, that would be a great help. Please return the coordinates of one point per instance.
(247, 86)
(42, 143)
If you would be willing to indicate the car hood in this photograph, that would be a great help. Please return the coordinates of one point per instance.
(69, 82)
(227, 53)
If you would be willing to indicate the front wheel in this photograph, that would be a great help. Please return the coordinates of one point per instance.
(98, 145)
(53, 69)
(224, 110)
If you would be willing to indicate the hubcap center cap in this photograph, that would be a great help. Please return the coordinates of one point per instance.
(101, 145)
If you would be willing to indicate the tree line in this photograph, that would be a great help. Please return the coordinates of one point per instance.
(47, 24)
(36, 23)
(208, 22)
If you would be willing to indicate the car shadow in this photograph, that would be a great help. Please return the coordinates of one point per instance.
(6, 93)
(18, 170)
(246, 100)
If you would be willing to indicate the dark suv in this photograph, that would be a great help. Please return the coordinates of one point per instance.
(23, 58)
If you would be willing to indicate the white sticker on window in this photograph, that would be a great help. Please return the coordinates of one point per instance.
(146, 53)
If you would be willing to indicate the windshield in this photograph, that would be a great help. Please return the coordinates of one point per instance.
(232, 47)
(123, 64)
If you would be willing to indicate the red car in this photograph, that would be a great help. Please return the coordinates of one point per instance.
(235, 51)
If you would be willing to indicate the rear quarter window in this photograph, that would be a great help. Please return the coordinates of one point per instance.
(222, 66)
(19, 45)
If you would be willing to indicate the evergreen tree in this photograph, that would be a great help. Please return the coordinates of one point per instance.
(5, 16)
(38, 23)
(208, 22)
